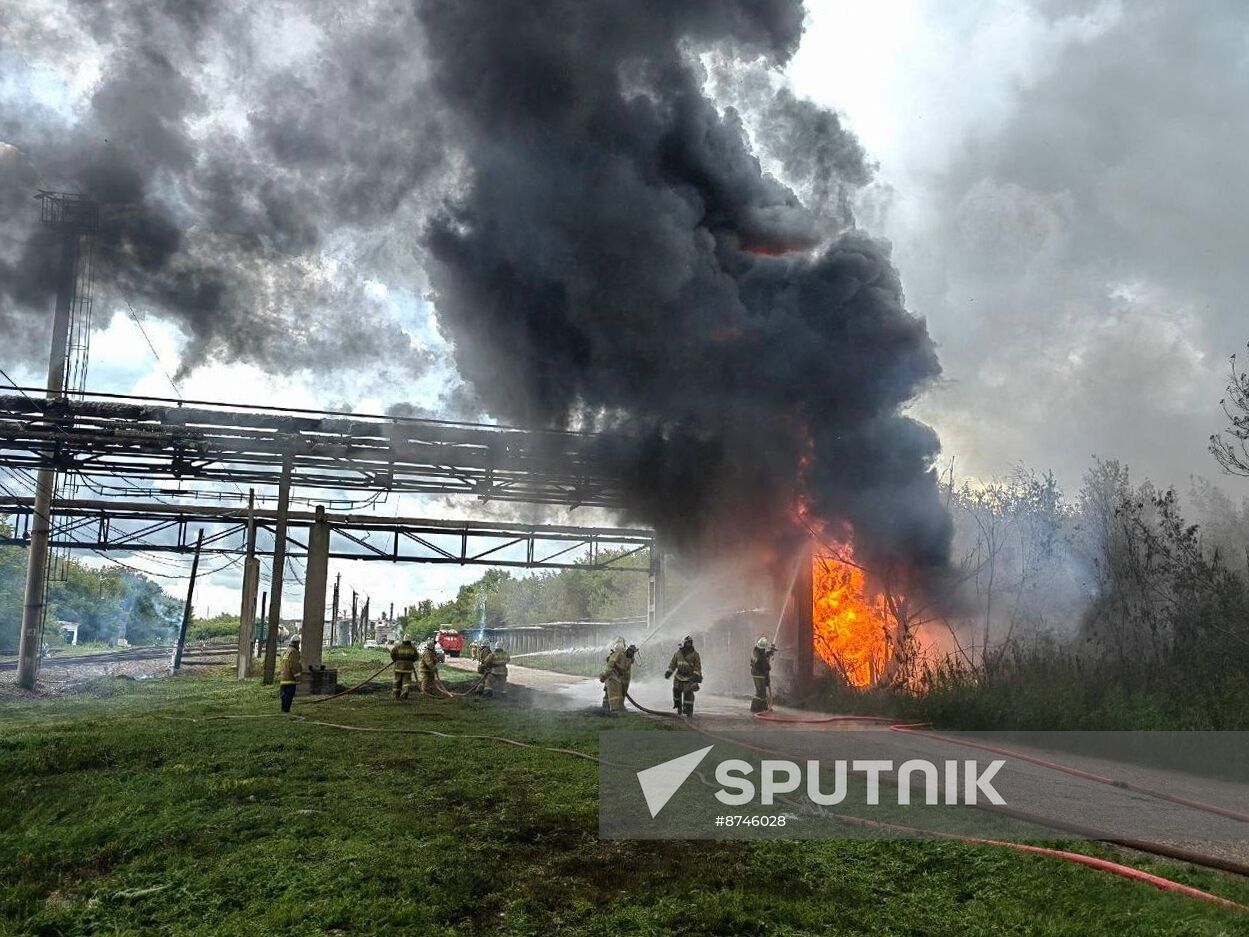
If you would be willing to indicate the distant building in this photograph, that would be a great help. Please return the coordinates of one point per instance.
(386, 631)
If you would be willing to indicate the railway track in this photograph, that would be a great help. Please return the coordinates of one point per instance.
(192, 654)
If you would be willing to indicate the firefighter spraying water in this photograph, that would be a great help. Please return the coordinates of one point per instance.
(616, 675)
(761, 673)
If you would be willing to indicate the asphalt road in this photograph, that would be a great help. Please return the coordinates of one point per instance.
(1062, 805)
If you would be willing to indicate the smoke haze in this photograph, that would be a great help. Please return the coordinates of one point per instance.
(603, 247)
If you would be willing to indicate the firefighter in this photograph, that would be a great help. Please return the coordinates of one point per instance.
(428, 672)
(686, 670)
(404, 656)
(761, 672)
(483, 652)
(288, 678)
(615, 676)
(494, 671)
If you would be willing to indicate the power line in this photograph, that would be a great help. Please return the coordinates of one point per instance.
(15, 385)
(151, 347)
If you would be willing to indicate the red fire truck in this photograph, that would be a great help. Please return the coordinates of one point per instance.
(450, 641)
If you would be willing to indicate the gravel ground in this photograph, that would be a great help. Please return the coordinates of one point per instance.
(64, 677)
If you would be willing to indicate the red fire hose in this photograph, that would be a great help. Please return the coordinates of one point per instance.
(1077, 773)
(1104, 865)
(769, 715)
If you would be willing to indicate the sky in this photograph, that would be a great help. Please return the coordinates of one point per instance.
(1062, 184)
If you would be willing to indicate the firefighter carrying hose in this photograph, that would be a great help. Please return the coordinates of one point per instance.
(615, 676)
(288, 679)
(494, 672)
(761, 672)
(686, 670)
(427, 673)
(404, 656)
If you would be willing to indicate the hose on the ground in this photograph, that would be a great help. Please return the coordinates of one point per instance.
(407, 730)
(1078, 773)
(769, 715)
(921, 729)
(1104, 865)
(326, 699)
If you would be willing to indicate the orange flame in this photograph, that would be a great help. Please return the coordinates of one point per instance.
(850, 626)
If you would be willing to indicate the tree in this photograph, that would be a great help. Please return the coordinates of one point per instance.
(105, 603)
(1231, 447)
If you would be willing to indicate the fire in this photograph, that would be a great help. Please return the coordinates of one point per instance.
(850, 625)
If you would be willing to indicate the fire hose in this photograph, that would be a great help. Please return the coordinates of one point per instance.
(1105, 865)
(325, 699)
(920, 729)
(407, 730)
(1077, 773)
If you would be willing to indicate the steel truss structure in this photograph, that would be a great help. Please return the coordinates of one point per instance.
(118, 435)
(170, 528)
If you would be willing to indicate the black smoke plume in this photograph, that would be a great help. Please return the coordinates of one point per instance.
(243, 196)
(619, 261)
(606, 250)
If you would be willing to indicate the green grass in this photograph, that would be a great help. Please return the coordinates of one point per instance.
(128, 810)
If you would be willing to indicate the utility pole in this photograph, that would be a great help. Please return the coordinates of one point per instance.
(338, 579)
(313, 628)
(264, 603)
(73, 216)
(251, 581)
(355, 637)
(186, 609)
(279, 561)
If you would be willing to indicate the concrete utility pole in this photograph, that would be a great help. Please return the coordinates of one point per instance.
(74, 217)
(264, 603)
(315, 575)
(279, 562)
(251, 583)
(338, 580)
(186, 609)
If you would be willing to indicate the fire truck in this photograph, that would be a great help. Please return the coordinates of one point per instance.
(450, 641)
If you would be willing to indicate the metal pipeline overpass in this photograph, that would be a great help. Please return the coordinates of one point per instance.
(101, 437)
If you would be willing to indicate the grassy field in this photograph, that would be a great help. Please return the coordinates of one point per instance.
(137, 808)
